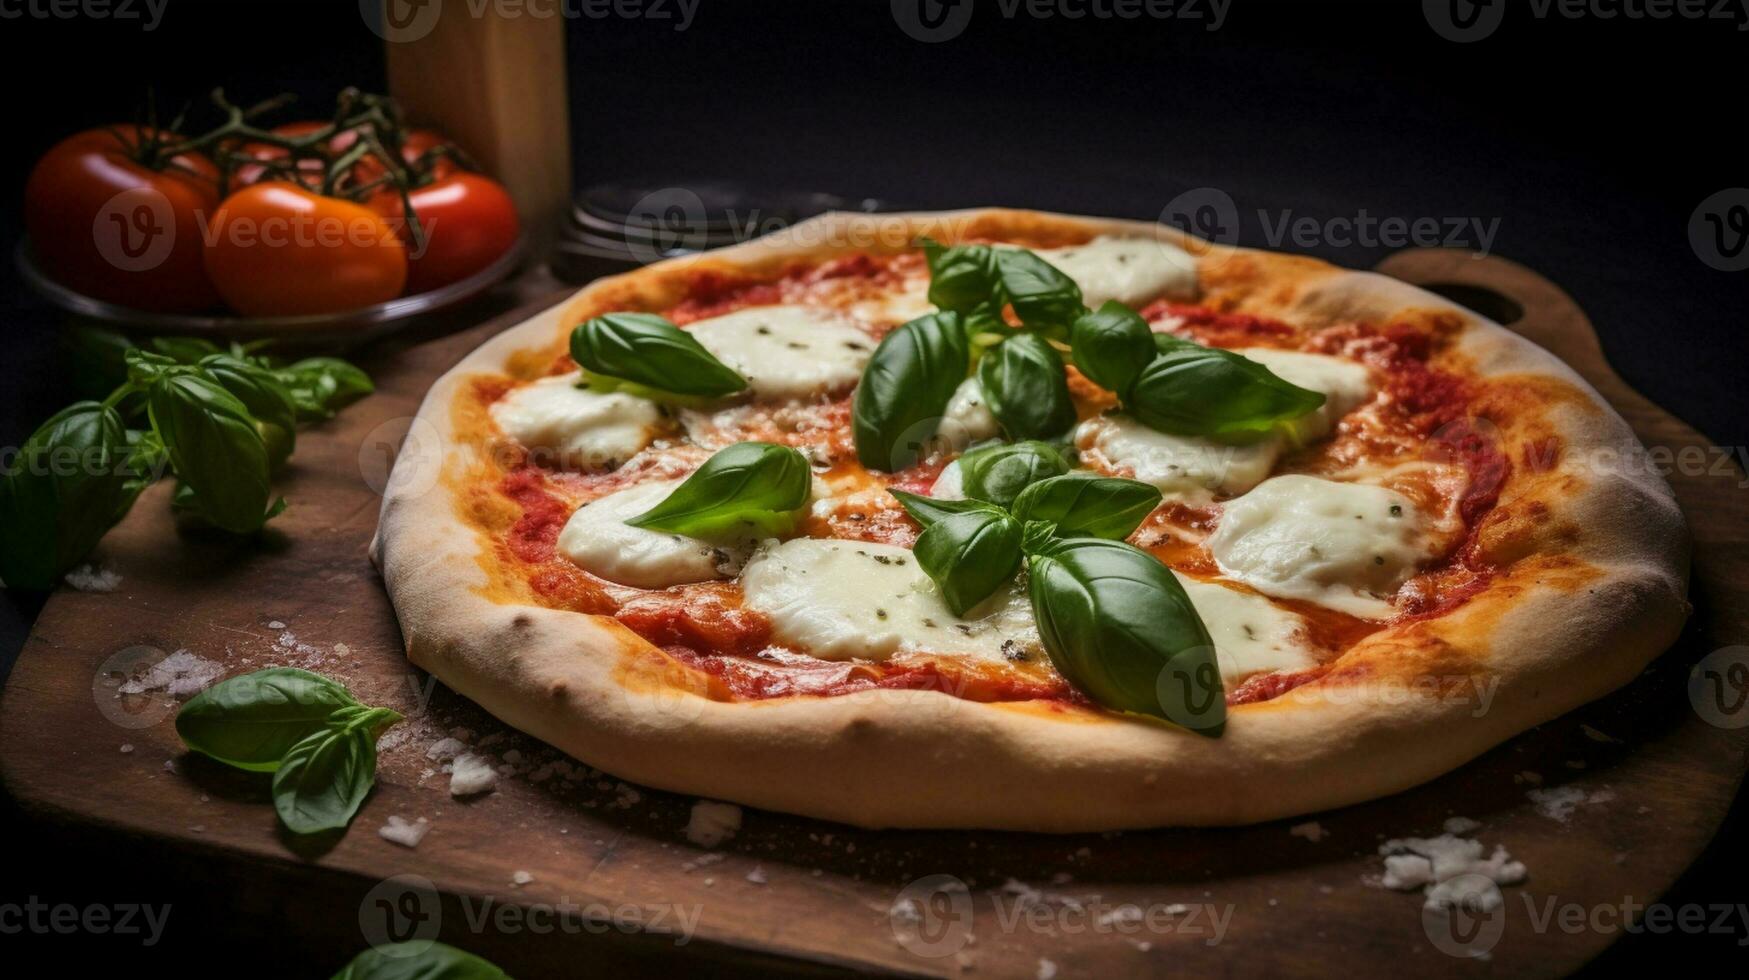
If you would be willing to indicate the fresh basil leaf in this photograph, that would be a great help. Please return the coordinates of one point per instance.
(262, 393)
(215, 448)
(252, 721)
(1034, 535)
(435, 961)
(970, 555)
(905, 388)
(962, 278)
(1042, 296)
(1026, 389)
(186, 350)
(749, 488)
(649, 351)
(1086, 505)
(928, 510)
(1189, 389)
(325, 776)
(999, 473)
(1111, 346)
(95, 360)
(71, 481)
(1120, 628)
(145, 367)
(322, 386)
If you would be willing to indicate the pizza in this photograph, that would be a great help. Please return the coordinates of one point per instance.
(1003, 519)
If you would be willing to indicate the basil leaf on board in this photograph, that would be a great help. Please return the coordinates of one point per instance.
(1086, 505)
(999, 473)
(905, 388)
(928, 510)
(71, 481)
(1042, 296)
(215, 448)
(253, 720)
(750, 487)
(649, 351)
(325, 776)
(263, 395)
(1026, 389)
(322, 386)
(436, 961)
(970, 555)
(1189, 389)
(1119, 627)
(962, 278)
(1111, 346)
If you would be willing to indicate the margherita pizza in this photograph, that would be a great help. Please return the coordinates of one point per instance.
(1013, 520)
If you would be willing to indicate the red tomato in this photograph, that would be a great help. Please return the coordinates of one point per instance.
(310, 169)
(469, 222)
(413, 146)
(276, 249)
(105, 225)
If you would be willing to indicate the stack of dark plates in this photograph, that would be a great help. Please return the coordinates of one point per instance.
(618, 226)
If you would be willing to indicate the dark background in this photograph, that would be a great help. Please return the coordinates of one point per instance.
(1591, 141)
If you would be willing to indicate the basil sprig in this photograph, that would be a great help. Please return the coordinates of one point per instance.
(215, 448)
(750, 488)
(1088, 505)
(999, 473)
(1111, 346)
(1189, 389)
(970, 554)
(905, 388)
(72, 480)
(308, 730)
(652, 354)
(411, 961)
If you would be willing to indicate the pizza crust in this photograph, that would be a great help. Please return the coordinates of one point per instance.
(1595, 593)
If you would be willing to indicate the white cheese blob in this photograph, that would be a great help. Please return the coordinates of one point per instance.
(1347, 546)
(1132, 271)
(1252, 635)
(602, 544)
(1187, 467)
(950, 484)
(576, 426)
(1344, 384)
(968, 418)
(787, 351)
(842, 600)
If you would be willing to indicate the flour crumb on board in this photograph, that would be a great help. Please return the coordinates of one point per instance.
(1459, 826)
(445, 749)
(399, 831)
(711, 823)
(520, 878)
(93, 578)
(1311, 830)
(1558, 802)
(181, 675)
(757, 875)
(127, 748)
(472, 775)
(1449, 871)
(1047, 970)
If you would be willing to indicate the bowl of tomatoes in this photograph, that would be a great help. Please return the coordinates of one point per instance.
(317, 229)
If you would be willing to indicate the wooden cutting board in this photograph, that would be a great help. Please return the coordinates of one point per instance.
(1654, 776)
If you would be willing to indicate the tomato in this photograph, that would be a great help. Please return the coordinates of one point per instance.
(109, 227)
(413, 146)
(310, 169)
(276, 249)
(469, 222)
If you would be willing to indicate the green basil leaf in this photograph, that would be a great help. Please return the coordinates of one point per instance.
(1026, 389)
(1042, 296)
(905, 388)
(325, 777)
(962, 278)
(262, 393)
(145, 367)
(1111, 346)
(436, 961)
(1086, 505)
(215, 448)
(1189, 389)
(95, 360)
(649, 351)
(749, 488)
(322, 386)
(252, 721)
(970, 555)
(999, 473)
(186, 350)
(1119, 627)
(928, 510)
(1035, 534)
(71, 481)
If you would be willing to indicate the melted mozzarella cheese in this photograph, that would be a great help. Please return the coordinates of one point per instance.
(787, 351)
(580, 427)
(950, 484)
(1252, 635)
(1347, 546)
(968, 418)
(1186, 467)
(1343, 383)
(896, 306)
(599, 541)
(842, 600)
(1132, 271)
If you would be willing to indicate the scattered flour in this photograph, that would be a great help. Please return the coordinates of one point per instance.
(92, 578)
(181, 675)
(399, 831)
(1047, 970)
(712, 823)
(520, 878)
(445, 749)
(1449, 870)
(1558, 802)
(1311, 830)
(1458, 826)
(472, 775)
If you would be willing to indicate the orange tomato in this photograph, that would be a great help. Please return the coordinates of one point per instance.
(276, 249)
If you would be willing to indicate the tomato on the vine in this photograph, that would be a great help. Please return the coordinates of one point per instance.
(108, 221)
(310, 170)
(277, 249)
(469, 222)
